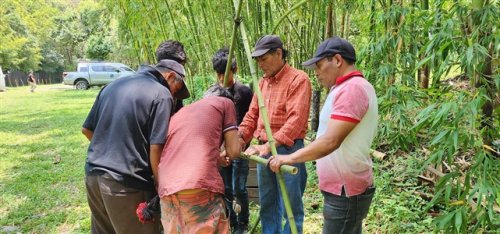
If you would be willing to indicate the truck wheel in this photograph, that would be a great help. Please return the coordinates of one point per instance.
(82, 85)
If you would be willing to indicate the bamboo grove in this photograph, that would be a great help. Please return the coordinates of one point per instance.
(434, 65)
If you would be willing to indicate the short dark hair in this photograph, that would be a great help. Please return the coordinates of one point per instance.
(219, 61)
(348, 61)
(171, 49)
(218, 91)
(284, 53)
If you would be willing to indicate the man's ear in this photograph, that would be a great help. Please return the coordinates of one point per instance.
(279, 52)
(168, 75)
(339, 60)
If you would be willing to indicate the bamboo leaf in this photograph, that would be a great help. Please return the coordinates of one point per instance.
(422, 62)
(447, 193)
(469, 54)
(445, 220)
(455, 140)
(458, 220)
(440, 136)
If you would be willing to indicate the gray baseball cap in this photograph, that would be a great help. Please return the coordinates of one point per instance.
(179, 69)
(266, 43)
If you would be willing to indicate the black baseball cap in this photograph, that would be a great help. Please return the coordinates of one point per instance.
(266, 43)
(330, 47)
(179, 69)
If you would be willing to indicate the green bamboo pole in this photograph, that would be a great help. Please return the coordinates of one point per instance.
(272, 143)
(172, 20)
(286, 14)
(160, 19)
(254, 225)
(233, 43)
(246, 45)
(283, 168)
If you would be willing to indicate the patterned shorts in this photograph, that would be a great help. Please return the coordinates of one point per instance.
(203, 212)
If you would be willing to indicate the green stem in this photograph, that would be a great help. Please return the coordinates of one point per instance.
(246, 45)
(283, 168)
(233, 43)
(286, 14)
(254, 225)
(263, 112)
(173, 21)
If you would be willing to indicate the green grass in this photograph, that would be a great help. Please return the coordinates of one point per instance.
(38, 194)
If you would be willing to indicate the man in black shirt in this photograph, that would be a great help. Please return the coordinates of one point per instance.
(235, 175)
(174, 50)
(127, 128)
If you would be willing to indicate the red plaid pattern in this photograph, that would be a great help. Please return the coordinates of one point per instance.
(287, 96)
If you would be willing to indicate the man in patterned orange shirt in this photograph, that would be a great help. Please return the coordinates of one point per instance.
(287, 95)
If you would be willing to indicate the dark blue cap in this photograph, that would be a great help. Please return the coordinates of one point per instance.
(331, 47)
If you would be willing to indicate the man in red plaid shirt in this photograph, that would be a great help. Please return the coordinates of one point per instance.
(287, 95)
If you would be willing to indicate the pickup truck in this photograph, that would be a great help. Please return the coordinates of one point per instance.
(96, 74)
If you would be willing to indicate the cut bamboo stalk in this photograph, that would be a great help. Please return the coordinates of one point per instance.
(263, 112)
(237, 22)
(377, 154)
(283, 168)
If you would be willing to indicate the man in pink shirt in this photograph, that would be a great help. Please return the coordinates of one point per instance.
(189, 184)
(348, 123)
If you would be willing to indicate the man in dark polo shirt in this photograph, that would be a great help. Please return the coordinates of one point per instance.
(127, 130)
(235, 175)
(174, 50)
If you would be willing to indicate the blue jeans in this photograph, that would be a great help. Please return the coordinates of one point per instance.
(272, 209)
(235, 181)
(345, 214)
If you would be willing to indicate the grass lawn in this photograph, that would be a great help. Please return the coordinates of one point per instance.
(42, 157)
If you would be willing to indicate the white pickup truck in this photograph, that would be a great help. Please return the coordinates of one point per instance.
(96, 74)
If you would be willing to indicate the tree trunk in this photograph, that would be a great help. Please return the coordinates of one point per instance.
(316, 95)
(423, 76)
(334, 19)
(484, 77)
(342, 24)
(346, 26)
(424, 72)
(372, 19)
(316, 98)
(329, 20)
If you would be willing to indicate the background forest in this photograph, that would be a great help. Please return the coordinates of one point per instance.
(434, 64)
